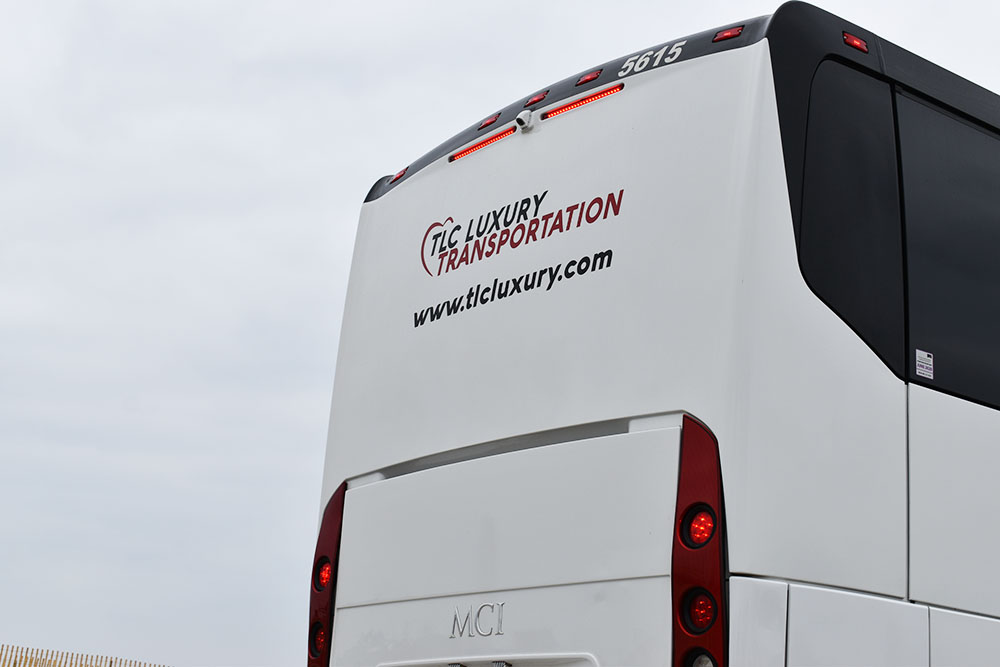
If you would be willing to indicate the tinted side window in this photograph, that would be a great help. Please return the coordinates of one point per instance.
(850, 246)
(951, 190)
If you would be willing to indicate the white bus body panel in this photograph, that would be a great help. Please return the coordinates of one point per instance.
(954, 539)
(758, 620)
(554, 515)
(554, 621)
(420, 548)
(962, 639)
(829, 628)
(703, 310)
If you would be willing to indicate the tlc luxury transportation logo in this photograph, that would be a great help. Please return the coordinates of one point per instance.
(448, 246)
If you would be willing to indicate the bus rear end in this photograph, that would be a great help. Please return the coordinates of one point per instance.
(530, 319)
(573, 338)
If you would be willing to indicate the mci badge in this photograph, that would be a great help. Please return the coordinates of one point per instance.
(484, 620)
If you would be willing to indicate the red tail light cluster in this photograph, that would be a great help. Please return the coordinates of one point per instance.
(698, 567)
(324, 580)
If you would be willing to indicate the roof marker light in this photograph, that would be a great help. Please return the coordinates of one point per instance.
(583, 100)
(399, 175)
(856, 42)
(483, 144)
(587, 78)
(489, 121)
(536, 99)
(728, 33)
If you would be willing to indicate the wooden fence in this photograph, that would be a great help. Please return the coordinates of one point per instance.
(18, 656)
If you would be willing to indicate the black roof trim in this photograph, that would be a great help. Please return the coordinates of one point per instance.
(800, 36)
(698, 45)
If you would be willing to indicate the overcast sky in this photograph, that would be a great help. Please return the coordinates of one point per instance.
(179, 187)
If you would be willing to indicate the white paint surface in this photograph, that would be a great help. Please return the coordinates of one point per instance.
(963, 640)
(828, 628)
(758, 617)
(954, 538)
(576, 512)
(704, 310)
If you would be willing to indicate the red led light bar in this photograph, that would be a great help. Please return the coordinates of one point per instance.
(728, 33)
(583, 100)
(587, 78)
(536, 99)
(483, 144)
(398, 176)
(489, 121)
(856, 42)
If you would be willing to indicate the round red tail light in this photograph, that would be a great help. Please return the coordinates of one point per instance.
(698, 526)
(317, 640)
(699, 612)
(323, 574)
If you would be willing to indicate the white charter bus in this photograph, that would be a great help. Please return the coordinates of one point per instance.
(689, 359)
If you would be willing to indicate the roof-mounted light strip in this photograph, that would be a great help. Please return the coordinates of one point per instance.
(583, 100)
(483, 144)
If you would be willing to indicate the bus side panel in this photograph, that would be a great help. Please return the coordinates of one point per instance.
(811, 423)
(758, 619)
(954, 540)
(828, 628)
(963, 639)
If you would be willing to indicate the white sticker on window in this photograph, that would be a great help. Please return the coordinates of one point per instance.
(925, 364)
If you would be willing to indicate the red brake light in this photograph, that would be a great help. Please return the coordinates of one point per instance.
(324, 573)
(482, 144)
(399, 175)
(536, 99)
(699, 526)
(700, 612)
(583, 100)
(587, 78)
(317, 642)
(729, 33)
(489, 121)
(856, 42)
